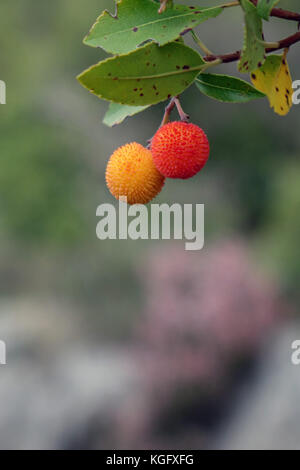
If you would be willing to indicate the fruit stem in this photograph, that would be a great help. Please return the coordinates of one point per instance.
(169, 108)
(183, 116)
(174, 102)
(168, 111)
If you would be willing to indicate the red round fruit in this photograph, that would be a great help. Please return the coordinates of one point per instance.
(180, 150)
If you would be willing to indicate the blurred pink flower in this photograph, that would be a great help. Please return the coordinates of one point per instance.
(203, 312)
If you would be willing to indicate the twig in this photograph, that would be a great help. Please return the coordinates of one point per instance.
(232, 57)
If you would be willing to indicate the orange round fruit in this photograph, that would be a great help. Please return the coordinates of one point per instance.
(131, 172)
(180, 150)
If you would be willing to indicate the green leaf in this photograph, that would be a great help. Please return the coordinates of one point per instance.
(264, 7)
(253, 54)
(227, 89)
(137, 21)
(146, 76)
(117, 113)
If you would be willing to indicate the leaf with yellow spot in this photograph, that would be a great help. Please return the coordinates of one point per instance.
(274, 79)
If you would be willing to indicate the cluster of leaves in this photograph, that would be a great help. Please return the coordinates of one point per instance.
(151, 62)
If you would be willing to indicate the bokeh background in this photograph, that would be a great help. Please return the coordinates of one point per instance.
(123, 344)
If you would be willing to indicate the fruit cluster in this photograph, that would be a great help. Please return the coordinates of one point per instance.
(178, 150)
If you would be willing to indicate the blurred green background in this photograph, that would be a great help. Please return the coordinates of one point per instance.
(62, 291)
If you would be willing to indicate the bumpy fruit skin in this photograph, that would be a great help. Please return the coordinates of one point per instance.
(179, 150)
(131, 172)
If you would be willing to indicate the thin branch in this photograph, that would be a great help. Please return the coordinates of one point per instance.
(232, 57)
